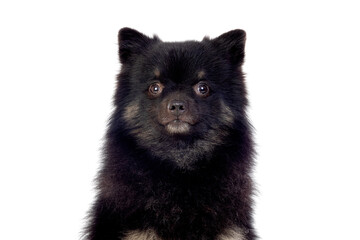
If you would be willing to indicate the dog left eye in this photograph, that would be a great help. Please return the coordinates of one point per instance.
(202, 89)
(155, 88)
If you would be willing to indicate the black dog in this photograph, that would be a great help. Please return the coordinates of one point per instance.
(179, 151)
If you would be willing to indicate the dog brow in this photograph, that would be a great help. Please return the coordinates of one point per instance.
(157, 72)
(201, 74)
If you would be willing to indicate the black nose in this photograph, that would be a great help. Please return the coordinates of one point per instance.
(177, 107)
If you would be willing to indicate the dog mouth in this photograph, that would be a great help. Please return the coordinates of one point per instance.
(177, 126)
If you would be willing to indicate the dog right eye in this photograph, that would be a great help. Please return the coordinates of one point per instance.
(155, 89)
(202, 89)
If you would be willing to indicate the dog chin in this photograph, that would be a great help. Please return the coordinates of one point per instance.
(177, 127)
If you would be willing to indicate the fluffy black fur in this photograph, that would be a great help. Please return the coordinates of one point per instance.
(182, 175)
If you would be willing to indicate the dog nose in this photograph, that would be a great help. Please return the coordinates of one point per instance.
(177, 107)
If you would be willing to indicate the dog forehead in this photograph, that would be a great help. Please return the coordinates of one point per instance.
(175, 53)
(178, 65)
(181, 62)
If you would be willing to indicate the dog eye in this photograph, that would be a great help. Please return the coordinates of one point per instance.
(155, 88)
(202, 89)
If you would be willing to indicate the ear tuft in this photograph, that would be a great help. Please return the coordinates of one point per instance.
(232, 45)
(131, 42)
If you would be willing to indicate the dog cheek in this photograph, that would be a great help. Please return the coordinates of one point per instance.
(131, 111)
(226, 115)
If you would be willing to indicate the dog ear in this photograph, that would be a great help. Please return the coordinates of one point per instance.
(131, 42)
(232, 45)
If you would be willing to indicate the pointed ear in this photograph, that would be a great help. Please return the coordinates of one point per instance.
(232, 45)
(131, 42)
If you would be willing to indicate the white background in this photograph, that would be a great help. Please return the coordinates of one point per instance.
(58, 62)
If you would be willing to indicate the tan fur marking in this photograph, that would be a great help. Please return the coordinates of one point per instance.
(174, 129)
(233, 233)
(201, 74)
(142, 235)
(157, 72)
(131, 111)
(227, 115)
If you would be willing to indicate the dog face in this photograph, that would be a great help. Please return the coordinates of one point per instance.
(180, 100)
